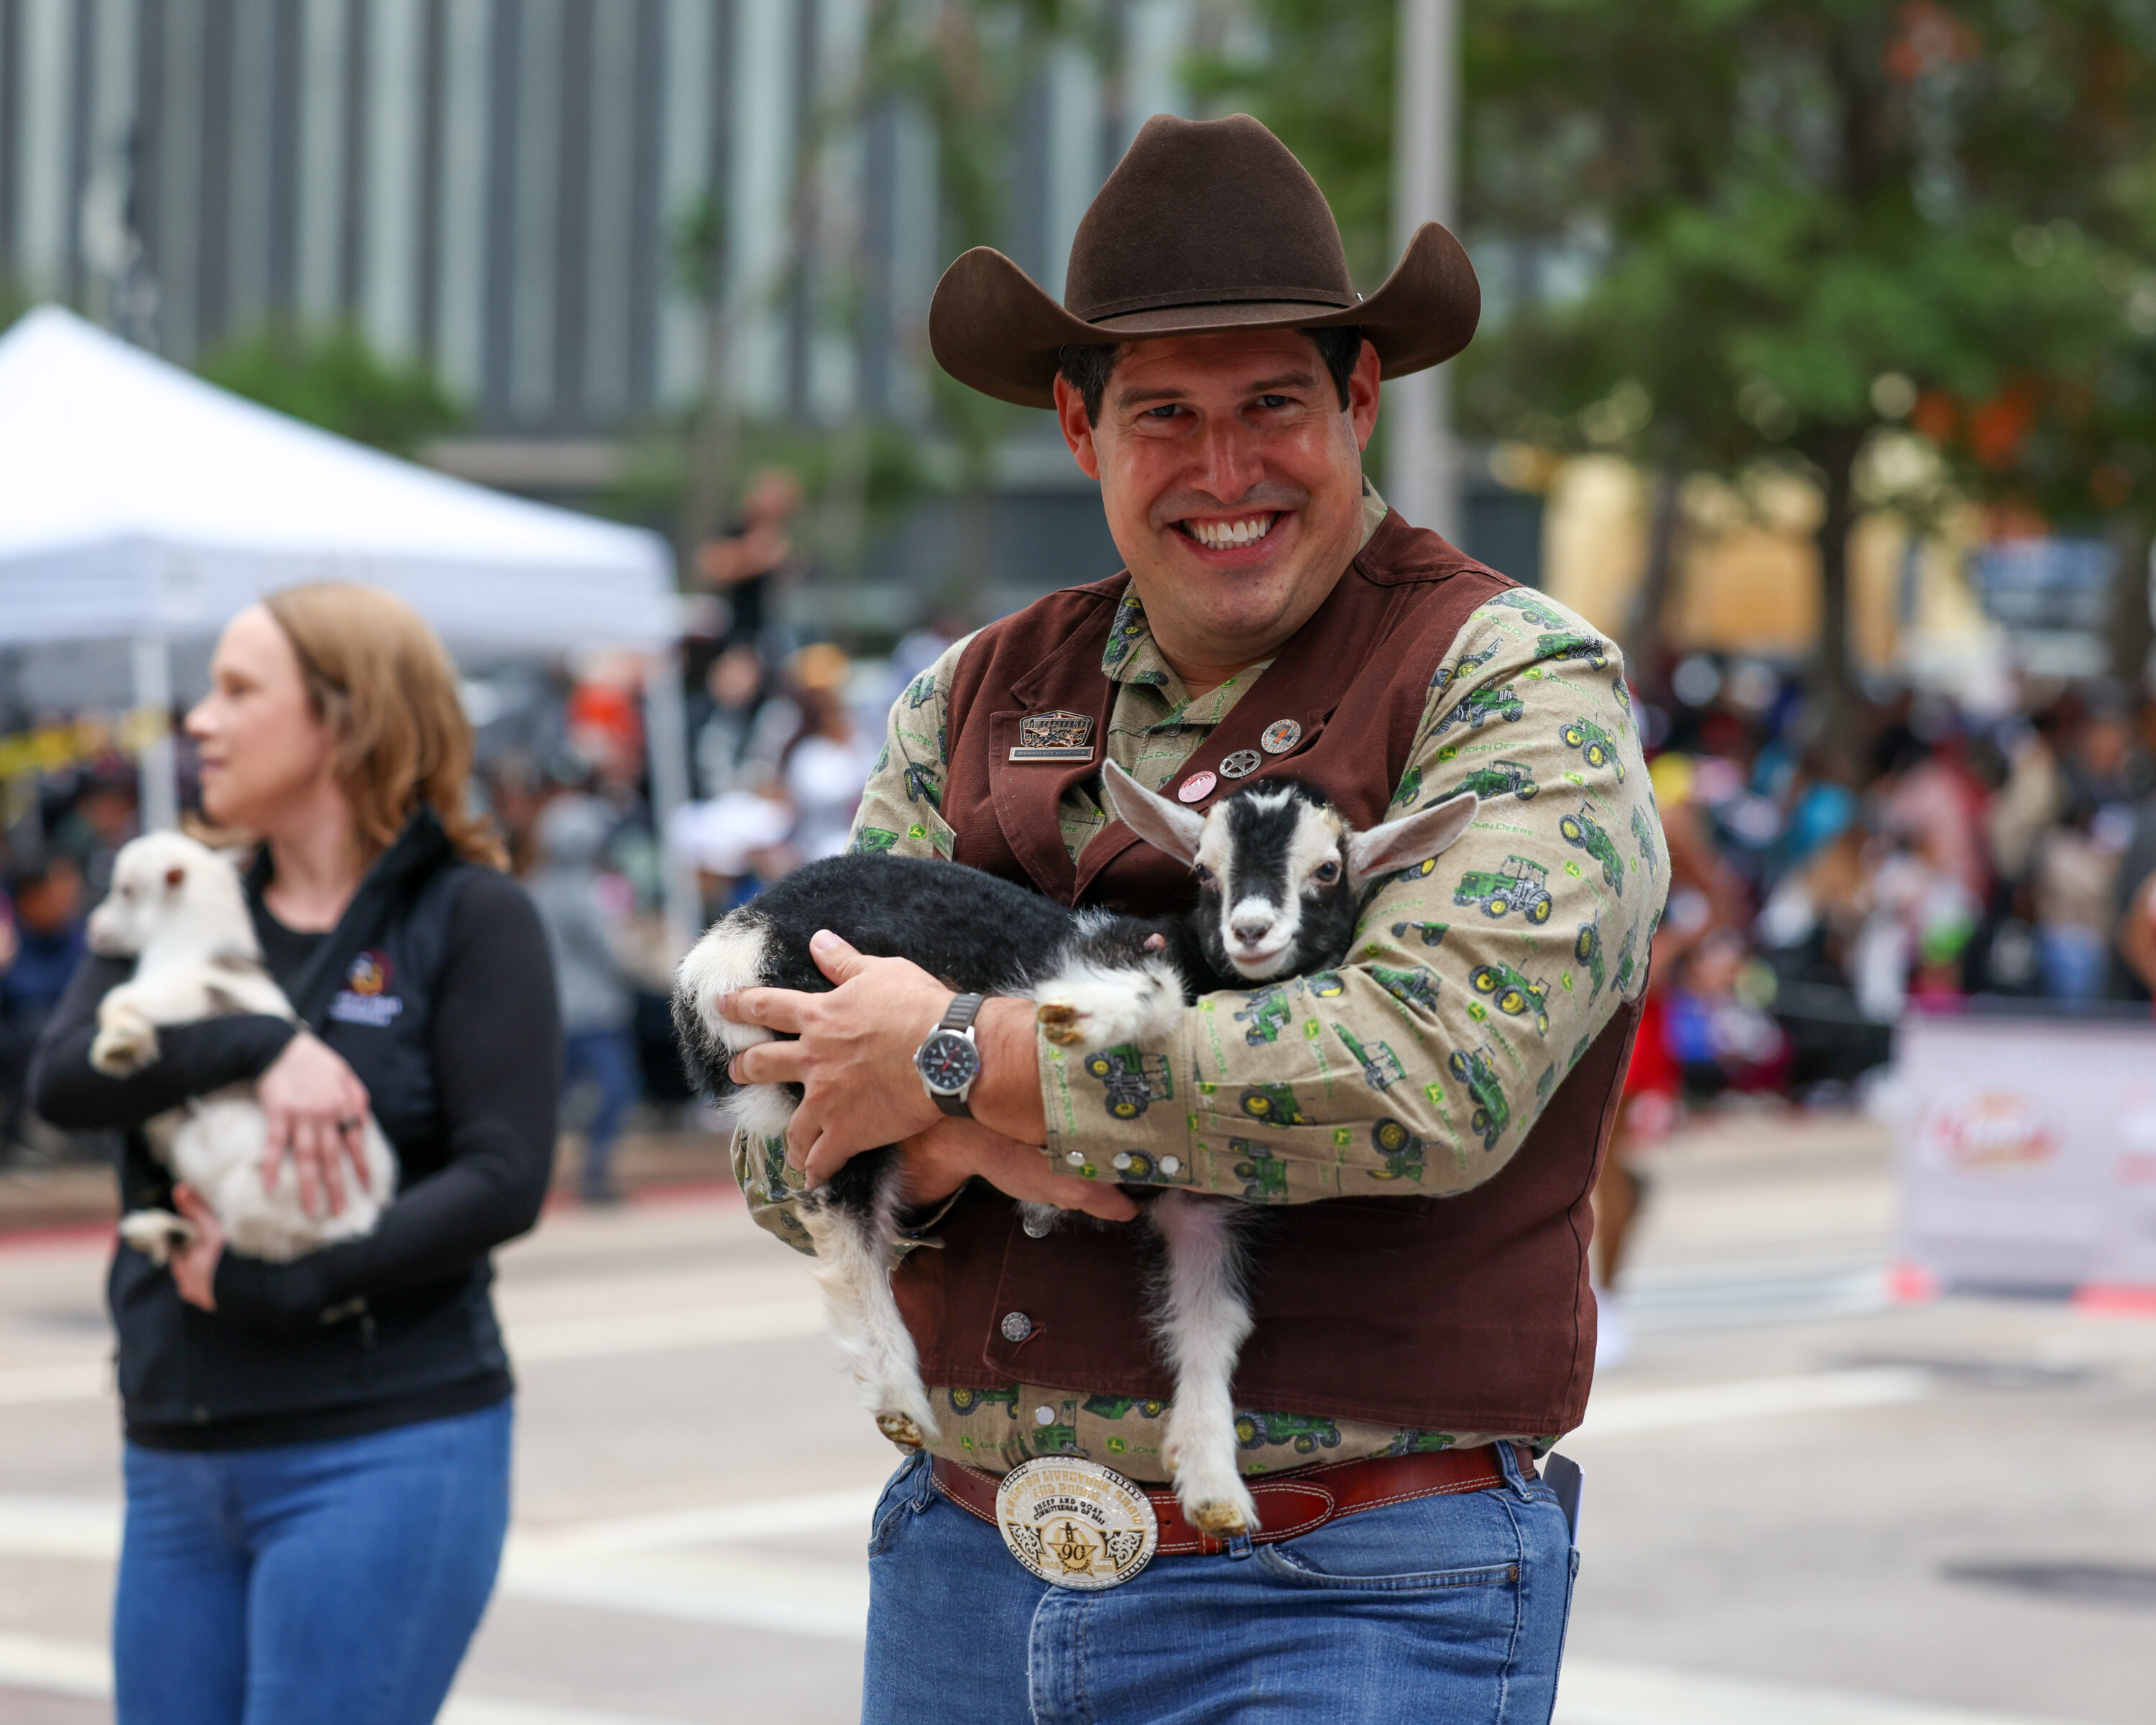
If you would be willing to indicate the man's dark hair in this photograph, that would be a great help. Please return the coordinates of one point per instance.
(1086, 367)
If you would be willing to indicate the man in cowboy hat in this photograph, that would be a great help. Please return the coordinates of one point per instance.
(1424, 1124)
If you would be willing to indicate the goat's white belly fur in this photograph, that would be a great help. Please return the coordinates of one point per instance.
(217, 1147)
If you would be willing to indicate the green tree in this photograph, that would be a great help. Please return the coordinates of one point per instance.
(1795, 226)
(334, 378)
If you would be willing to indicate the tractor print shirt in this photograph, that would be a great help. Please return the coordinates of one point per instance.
(1477, 979)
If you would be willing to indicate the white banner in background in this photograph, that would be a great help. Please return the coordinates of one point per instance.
(2028, 1151)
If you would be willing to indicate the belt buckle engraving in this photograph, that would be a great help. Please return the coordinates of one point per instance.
(1054, 737)
(1077, 1524)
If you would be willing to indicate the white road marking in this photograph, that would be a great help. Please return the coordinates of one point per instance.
(1593, 1693)
(546, 1340)
(1611, 1413)
(816, 1511)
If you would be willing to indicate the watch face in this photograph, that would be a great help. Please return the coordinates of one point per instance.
(949, 1062)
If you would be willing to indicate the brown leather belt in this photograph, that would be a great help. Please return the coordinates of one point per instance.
(1288, 1503)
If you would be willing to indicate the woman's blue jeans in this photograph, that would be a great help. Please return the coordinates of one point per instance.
(328, 1584)
(1446, 1608)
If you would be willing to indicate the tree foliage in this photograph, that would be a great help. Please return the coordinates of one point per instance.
(333, 378)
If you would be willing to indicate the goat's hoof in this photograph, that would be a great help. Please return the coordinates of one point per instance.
(1061, 1022)
(901, 1429)
(1221, 1519)
(118, 1052)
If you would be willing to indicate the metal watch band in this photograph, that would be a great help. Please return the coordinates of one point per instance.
(958, 1016)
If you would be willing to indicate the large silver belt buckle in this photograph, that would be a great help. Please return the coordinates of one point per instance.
(1076, 1523)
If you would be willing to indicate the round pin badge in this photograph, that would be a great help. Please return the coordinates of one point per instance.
(1197, 788)
(1280, 735)
(1076, 1523)
(1242, 761)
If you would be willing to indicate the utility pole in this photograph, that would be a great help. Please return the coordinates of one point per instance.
(1422, 478)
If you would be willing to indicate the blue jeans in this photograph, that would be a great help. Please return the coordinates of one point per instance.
(328, 1584)
(606, 1059)
(1445, 1608)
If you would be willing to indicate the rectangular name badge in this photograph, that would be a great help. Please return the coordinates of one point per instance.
(1054, 737)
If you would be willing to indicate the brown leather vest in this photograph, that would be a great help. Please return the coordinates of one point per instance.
(1467, 1313)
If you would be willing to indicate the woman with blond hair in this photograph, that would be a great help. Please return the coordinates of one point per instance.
(317, 1452)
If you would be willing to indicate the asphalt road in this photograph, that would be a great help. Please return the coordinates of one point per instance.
(1806, 1505)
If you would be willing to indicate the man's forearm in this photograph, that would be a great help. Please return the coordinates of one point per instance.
(1006, 1096)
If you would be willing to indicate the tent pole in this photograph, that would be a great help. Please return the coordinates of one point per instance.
(666, 743)
(156, 760)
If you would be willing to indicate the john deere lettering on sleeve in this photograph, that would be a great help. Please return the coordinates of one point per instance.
(365, 998)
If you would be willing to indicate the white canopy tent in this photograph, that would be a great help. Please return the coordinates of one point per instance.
(138, 503)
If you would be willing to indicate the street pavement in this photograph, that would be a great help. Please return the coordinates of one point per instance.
(1806, 1504)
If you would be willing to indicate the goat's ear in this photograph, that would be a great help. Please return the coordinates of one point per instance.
(1166, 826)
(173, 876)
(1410, 838)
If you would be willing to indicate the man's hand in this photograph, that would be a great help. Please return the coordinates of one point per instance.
(942, 1159)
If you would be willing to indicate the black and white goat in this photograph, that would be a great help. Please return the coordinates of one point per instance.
(177, 909)
(1280, 875)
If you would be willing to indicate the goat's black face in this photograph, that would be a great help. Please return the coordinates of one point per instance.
(1273, 894)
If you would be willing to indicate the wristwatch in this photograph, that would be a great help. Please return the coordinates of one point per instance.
(950, 1060)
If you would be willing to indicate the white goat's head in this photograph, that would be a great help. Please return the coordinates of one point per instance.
(162, 881)
(1280, 873)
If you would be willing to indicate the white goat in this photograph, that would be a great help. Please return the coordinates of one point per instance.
(177, 909)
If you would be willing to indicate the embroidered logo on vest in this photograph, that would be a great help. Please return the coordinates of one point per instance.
(365, 998)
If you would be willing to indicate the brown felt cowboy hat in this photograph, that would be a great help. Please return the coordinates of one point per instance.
(1205, 225)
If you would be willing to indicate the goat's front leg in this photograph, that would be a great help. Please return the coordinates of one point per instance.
(127, 1039)
(855, 1234)
(1203, 1321)
(1107, 991)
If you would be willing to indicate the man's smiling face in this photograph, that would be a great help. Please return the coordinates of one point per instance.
(1232, 478)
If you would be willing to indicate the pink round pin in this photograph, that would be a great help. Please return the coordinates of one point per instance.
(1197, 788)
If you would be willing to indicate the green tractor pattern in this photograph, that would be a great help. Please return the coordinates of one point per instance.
(1501, 778)
(1582, 831)
(921, 691)
(1543, 1083)
(1411, 988)
(1595, 745)
(921, 787)
(1410, 787)
(1512, 994)
(1447, 674)
(1381, 1066)
(1431, 933)
(1300, 1432)
(1272, 1105)
(1475, 1069)
(1134, 1080)
(1059, 1436)
(869, 840)
(1415, 1442)
(1522, 885)
(965, 1401)
(1586, 949)
(1402, 1149)
(1533, 610)
(1625, 965)
(1267, 1015)
(1623, 696)
(1564, 645)
(1480, 704)
(1644, 835)
(1264, 1175)
(1114, 1407)
(1327, 984)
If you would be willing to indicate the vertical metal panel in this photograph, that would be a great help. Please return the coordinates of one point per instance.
(427, 316)
(648, 237)
(538, 164)
(179, 179)
(42, 165)
(761, 130)
(351, 160)
(572, 206)
(687, 172)
(11, 120)
(504, 47)
(878, 338)
(390, 251)
(112, 104)
(280, 283)
(800, 251)
(82, 111)
(321, 158)
(145, 179)
(214, 183)
(1156, 39)
(1024, 188)
(253, 129)
(916, 258)
(609, 206)
(466, 218)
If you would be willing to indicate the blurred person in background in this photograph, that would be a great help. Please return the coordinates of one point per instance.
(41, 943)
(748, 565)
(828, 759)
(317, 1458)
(597, 1008)
(104, 815)
(745, 726)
